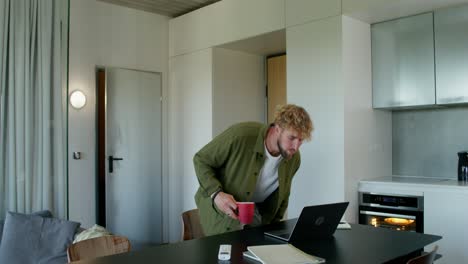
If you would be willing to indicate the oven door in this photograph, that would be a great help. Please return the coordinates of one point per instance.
(404, 220)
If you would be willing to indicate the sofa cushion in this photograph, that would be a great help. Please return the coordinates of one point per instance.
(44, 213)
(35, 239)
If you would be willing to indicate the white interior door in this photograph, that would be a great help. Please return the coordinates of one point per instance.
(134, 187)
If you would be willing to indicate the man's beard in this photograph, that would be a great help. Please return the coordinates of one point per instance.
(283, 152)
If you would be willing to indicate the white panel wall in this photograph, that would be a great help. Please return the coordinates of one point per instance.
(318, 76)
(106, 35)
(190, 128)
(238, 88)
(372, 11)
(224, 22)
(329, 73)
(367, 133)
(314, 82)
(302, 11)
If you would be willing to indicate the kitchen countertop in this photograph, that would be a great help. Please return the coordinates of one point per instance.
(410, 184)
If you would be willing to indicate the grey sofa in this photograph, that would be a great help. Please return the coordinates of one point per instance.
(35, 238)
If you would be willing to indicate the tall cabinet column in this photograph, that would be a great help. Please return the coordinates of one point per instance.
(329, 74)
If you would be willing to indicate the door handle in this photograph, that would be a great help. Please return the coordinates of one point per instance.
(111, 163)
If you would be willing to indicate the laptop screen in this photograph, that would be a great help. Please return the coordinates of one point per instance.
(314, 222)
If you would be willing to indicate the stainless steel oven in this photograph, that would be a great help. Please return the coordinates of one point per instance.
(399, 212)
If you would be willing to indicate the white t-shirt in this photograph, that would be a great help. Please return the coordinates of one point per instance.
(267, 180)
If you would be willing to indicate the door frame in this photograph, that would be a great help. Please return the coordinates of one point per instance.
(101, 123)
(270, 110)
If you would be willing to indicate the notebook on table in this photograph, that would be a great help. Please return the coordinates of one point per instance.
(280, 254)
(318, 221)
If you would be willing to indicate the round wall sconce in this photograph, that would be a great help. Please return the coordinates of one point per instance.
(77, 99)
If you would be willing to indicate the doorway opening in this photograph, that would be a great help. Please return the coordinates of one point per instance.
(129, 154)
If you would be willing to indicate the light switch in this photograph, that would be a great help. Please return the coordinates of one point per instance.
(76, 155)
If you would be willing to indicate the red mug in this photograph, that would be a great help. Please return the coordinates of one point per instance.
(245, 212)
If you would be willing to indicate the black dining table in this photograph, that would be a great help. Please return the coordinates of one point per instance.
(361, 244)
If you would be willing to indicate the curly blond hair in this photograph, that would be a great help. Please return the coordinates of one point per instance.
(294, 117)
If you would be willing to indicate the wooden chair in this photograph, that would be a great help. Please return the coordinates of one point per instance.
(427, 258)
(191, 225)
(98, 247)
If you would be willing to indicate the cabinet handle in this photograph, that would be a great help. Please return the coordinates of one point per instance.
(453, 100)
(388, 215)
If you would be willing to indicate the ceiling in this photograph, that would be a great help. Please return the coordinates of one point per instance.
(170, 8)
(370, 11)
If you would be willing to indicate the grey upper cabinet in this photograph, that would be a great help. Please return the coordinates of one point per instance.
(403, 62)
(451, 55)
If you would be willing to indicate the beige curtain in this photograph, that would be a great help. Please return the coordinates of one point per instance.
(33, 168)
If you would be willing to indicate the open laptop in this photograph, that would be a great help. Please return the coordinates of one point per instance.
(318, 221)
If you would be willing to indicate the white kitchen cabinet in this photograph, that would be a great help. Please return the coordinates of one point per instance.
(314, 82)
(223, 22)
(328, 73)
(403, 62)
(451, 55)
(445, 210)
(299, 12)
(446, 214)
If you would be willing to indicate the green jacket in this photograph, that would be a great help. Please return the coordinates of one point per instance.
(232, 162)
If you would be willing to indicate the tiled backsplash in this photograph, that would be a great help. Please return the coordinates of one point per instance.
(426, 142)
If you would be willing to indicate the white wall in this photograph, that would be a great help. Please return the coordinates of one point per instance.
(238, 88)
(190, 128)
(106, 35)
(314, 81)
(224, 22)
(110, 35)
(367, 132)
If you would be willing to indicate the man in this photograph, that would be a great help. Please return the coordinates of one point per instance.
(250, 162)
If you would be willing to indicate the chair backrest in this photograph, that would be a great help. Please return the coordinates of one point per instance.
(427, 258)
(191, 225)
(98, 247)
